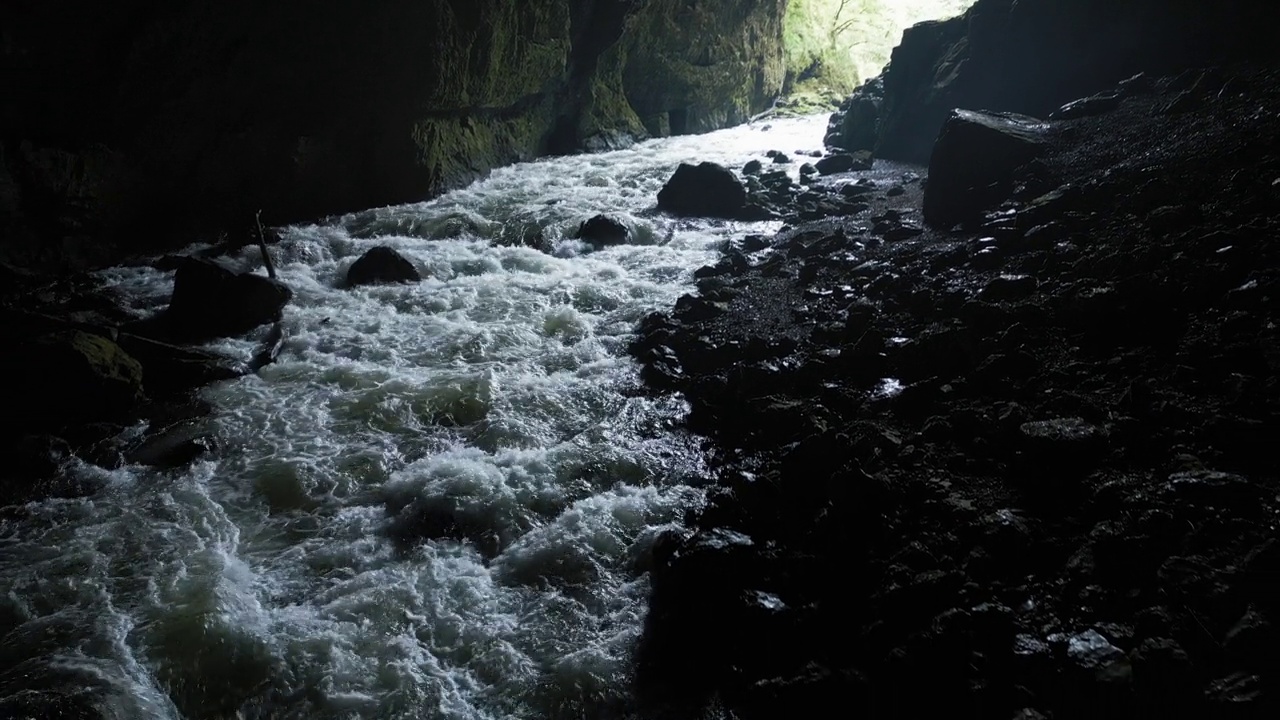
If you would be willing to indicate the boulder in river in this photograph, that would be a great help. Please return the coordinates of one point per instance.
(71, 377)
(704, 190)
(603, 231)
(974, 162)
(382, 265)
(211, 301)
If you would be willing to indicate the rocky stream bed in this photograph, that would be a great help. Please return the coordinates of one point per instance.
(1020, 461)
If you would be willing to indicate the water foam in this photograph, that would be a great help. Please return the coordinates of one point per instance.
(438, 503)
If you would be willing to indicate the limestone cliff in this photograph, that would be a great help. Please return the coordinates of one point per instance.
(138, 121)
(697, 65)
(1030, 56)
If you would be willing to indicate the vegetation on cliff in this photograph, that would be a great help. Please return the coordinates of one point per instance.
(839, 43)
(131, 125)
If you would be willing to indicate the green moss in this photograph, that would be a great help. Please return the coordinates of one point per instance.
(709, 64)
(105, 361)
(606, 112)
(837, 44)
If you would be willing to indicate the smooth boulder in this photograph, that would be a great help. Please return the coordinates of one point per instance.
(603, 231)
(704, 190)
(974, 162)
(381, 265)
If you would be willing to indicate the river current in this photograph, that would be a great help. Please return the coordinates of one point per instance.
(283, 575)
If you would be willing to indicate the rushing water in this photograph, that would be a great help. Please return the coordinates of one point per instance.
(281, 576)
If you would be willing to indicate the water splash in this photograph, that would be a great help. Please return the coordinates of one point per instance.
(439, 502)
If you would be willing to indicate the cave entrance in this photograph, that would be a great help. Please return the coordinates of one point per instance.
(836, 45)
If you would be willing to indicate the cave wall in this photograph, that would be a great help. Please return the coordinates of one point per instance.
(692, 66)
(1032, 56)
(138, 123)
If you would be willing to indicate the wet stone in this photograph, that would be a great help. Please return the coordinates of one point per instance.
(1008, 288)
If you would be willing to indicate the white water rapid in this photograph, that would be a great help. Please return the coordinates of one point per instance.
(280, 576)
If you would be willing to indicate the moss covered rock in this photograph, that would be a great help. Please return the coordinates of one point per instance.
(699, 65)
(69, 377)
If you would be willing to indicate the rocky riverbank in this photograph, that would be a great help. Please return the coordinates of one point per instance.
(1019, 461)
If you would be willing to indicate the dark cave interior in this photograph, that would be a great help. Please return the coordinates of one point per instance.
(990, 422)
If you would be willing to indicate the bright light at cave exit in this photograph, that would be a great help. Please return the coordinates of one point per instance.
(851, 39)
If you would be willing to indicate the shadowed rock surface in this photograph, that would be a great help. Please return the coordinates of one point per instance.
(1032, 56)
(130, 124)
(703, 190)
(1029, 465)
(974, 160)
(210, 301)
(381, 265)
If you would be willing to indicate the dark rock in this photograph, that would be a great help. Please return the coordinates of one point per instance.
(781, 159)
(753, 167)
(69, 377)
(381, 265)
(1209, 488)
(1062, 445)
(171, 369)
(973, 163)
(662, 368)
(844, 162)
(1009, 287)
(692, 308)
(705, 190)
(896, 191)
(753, 243)
(603, 231)
(1028, 57)
(33, 458)
(854, 190)
(210, 301)
(901, 231)
(855, 126)
(1241, 694)
(1252, 640)
(1140, 84)
(269, 350)
(1084, 107)
(175, 447)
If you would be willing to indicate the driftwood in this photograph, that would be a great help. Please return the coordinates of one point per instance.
(262, 245)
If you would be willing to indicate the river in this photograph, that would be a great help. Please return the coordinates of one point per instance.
(284, 574)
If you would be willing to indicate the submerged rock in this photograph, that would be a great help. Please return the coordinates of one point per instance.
(603, 231)
(381, 265)
(175, 447)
